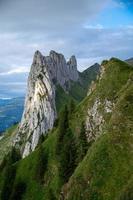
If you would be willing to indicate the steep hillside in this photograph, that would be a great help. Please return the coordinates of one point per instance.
(65, 165)
(79, 89)
(130, 61)
(106, 171)
(6, 141)
(52, 82)
(62, 97)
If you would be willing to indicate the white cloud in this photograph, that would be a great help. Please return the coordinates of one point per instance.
(64, 26)
(17, 70)
(97, 26)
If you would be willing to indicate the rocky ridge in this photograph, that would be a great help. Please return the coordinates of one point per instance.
(40, 110)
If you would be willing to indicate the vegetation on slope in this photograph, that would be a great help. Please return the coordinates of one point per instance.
(102, 172)
(79, 89)
(6, 141)
(106, 170)
(43, 173)
(61, 98)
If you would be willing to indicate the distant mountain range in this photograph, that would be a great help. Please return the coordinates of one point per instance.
(130, 61)
(10, 112)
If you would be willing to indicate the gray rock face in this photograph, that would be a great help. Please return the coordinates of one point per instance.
(72, 67)
(95, 119)
(60, 71)
(40, 111)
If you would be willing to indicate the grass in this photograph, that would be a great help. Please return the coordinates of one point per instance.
(79, 89)
(105, 171)
(108, 165)
(5, 142)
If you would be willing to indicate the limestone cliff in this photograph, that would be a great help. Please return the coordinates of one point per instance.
(40, 110)
(100, 107)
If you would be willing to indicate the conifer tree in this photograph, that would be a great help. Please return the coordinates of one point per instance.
(63, 126)
(68, 155)
(18, 190)
(83, 141)
(8, 182)
(66, 147)
(41, 165)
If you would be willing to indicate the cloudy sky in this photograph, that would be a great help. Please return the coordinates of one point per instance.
(91, 29)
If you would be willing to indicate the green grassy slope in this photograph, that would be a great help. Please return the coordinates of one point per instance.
(5, 142)
(27, 172)
(79, 89)
(130, 61)
(105, 171)
(61, 98)
(28, 169)
(107, 88)
(107, 168)
(89, 75)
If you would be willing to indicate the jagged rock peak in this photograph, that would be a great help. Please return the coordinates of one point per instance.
(72, 65)
(53, 54)
(60, 70)
(40, 110)
(72, 62)
(38, 58)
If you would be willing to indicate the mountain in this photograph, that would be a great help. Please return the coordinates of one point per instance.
(108, 163)
(50, 78)
(88, 154)
(79, 89)
(130, 61)
(10, 112)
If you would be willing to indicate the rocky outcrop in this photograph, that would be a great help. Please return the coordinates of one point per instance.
(99, 109)
(95, 120)
(72, 67)
(40, 111)
(61, 72)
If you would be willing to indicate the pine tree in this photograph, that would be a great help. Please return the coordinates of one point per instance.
(41, 165)
(18, 190)
(14, 155)
(68, 156)
(66, 147)
(63, 126)
(9, 159)
(8, 182)
(83, 142)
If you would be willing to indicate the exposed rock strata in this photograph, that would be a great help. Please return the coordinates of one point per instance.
(40, 111)
(95, 119)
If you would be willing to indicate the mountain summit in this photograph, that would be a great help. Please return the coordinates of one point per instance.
(40, 110)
